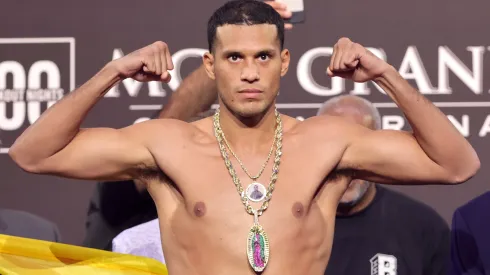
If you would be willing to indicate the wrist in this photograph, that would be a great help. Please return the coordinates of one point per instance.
(111, 71)
(386, 73)
(107, 77)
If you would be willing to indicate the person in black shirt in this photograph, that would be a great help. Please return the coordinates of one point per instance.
(377, 230)
(114, 207)
(470, 241)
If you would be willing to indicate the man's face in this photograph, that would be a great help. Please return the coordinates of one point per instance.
(357, 188)
(247, 64)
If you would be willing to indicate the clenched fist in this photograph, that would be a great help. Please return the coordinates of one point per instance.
(150, 63)
(353, 61)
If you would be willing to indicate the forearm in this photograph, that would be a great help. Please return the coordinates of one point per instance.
(61, 123)
(196, 94)
(435, 134)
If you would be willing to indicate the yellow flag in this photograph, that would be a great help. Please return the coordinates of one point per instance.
(21, 256)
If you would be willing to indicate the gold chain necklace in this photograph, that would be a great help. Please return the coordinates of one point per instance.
(257, 241)
(255, 191)
(243, 166)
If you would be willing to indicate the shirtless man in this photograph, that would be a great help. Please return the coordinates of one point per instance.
(204, 226)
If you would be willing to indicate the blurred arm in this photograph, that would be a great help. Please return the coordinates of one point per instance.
(196, 94)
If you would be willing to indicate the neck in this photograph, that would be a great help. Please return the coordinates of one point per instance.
(248, 133)
(363, 203)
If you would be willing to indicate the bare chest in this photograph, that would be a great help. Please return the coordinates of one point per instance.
(208, 189)
(204, 208)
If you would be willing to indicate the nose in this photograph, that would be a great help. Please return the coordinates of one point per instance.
(250, 72)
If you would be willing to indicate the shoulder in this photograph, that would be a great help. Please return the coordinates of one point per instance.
(330, 127)
(168, 130)
(327, 123)
(481, 202)
(290, 123)
(25, 224)
(475, 209)
(158, 125)
(324, 120)
(414, 211)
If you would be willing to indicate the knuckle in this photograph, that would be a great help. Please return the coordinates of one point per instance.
(344, 40)
(160, 45)
(146, 52)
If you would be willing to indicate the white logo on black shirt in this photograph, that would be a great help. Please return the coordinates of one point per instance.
(382, 264)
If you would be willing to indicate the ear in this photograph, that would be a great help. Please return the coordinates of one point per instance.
(208, 61)
(285, 59)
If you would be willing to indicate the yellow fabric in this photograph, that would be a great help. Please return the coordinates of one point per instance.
(21, 256)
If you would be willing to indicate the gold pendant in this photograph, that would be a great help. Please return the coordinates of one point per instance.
(257, 247)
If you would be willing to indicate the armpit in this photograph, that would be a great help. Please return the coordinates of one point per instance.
(342, 174)
(148, 173)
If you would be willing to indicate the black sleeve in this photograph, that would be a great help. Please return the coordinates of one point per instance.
(120, 201)
(114, 207)
(464, 251)
(438, 258)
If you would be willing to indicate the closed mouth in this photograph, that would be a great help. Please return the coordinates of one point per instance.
(250, 91)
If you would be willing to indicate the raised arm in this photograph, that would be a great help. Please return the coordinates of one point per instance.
(196, 94)
(55, 144)
(434, 153)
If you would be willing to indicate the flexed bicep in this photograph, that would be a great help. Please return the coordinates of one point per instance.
(388, 156)
(55, 144)
(102, 154)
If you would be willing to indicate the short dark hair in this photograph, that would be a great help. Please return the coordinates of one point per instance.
(244, 12)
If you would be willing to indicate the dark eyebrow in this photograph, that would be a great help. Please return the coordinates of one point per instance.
(230, 53)
(269, 52)
(266, 52)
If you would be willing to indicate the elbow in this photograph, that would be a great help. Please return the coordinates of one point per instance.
(23, 161)
(470, 170)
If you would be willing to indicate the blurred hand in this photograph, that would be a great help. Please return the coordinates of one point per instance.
(282, 9)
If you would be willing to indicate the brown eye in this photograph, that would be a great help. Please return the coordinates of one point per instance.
(264, 57)
(233, 58)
